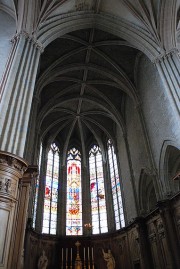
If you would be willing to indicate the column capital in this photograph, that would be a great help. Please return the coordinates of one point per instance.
(165, 55)
(31, 38)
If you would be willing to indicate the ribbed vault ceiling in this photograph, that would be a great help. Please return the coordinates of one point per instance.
(82, 83)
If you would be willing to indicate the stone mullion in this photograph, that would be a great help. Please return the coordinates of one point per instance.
(41, 193)
(17, 95)
(121, 184)
(86, 200)
(62, 201)
(108, 193)
(60, 213)
(168, 67)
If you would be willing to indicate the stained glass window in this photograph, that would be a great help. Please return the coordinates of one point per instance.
(98, 201)
(74, 194)
(116, 187)
(36, 189)
(51, 191)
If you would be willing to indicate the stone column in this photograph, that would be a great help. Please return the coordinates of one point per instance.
(168, 66)
(17, 92)
(17, 242)
(12, 169)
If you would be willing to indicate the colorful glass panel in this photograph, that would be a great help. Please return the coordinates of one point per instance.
(98, 201)
(116, 188)
(74, 194)
(51, 192)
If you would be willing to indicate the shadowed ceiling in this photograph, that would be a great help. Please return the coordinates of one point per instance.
(82, 83)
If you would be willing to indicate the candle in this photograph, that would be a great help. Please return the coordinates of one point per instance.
(66, 255)
(92, 254)
(88, 253)
(84, 254)
(71, 254)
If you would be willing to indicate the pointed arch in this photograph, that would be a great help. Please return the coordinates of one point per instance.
(147, 195)
(167, 167)
(61, 25)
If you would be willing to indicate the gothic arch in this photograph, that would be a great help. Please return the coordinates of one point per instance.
(60, 25)
(169, 166)
(147, 195)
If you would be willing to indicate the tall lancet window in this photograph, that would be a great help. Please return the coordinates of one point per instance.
(51, 191)
(74, 194)
(116, 187)
(98, 201)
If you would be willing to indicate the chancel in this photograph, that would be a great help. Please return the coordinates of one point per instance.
(89, 134)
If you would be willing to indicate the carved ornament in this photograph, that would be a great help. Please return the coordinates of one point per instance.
(12, 163)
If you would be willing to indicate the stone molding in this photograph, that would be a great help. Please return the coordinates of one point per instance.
(166, 54)
(32, 39)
